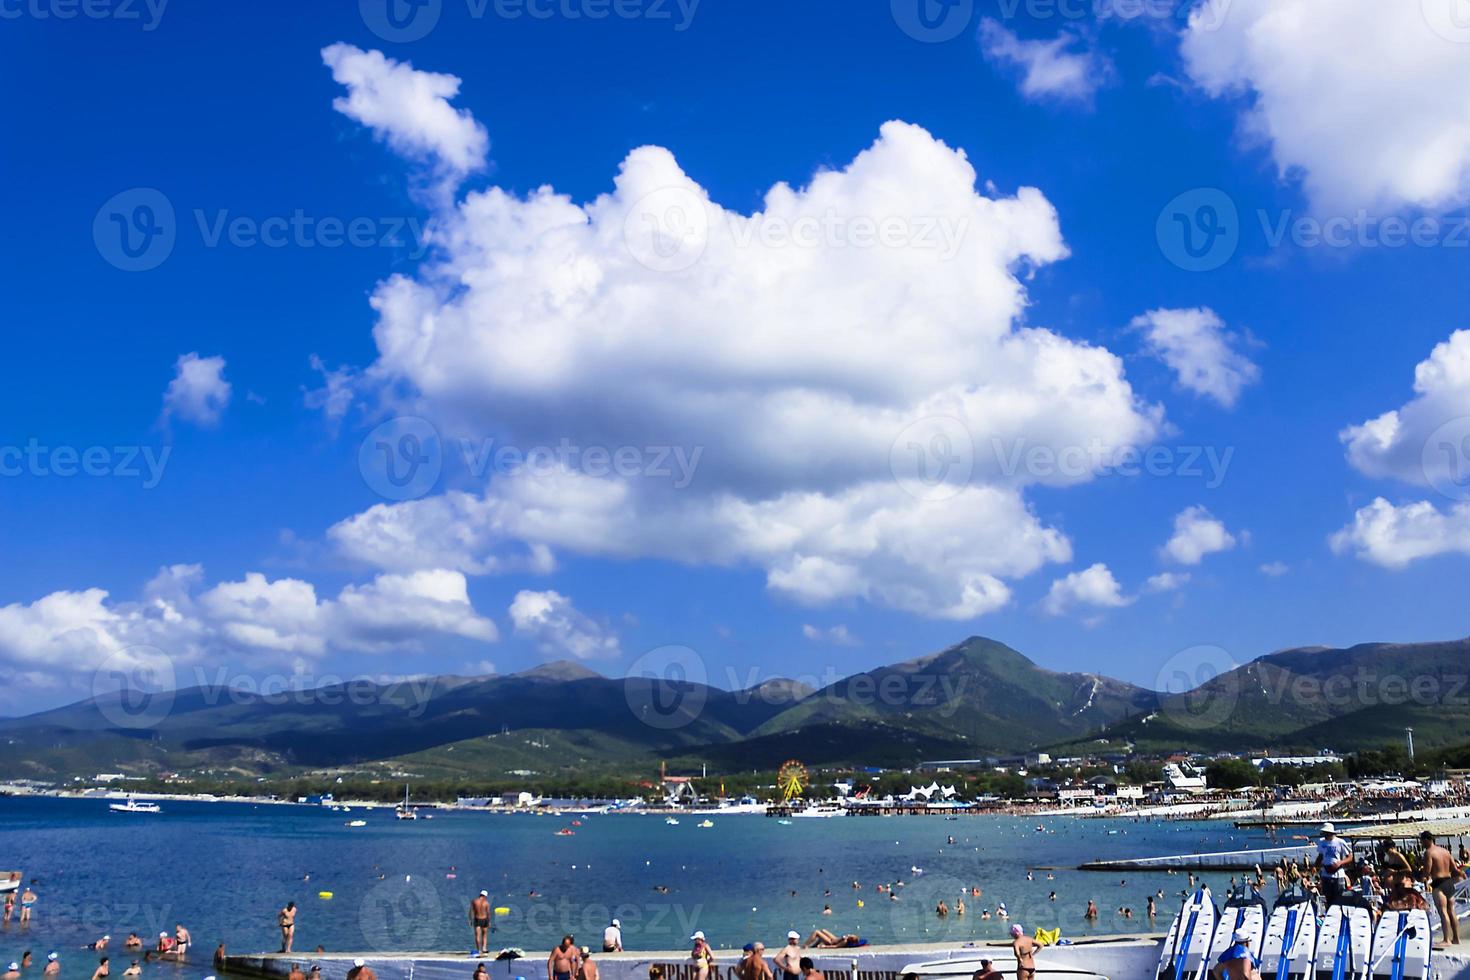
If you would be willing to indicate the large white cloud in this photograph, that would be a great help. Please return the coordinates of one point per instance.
(558, 628)
(1199, 350)
(791, 351)
(1425, 441)
(1395, 536)
(1362, 99)
(66, 635)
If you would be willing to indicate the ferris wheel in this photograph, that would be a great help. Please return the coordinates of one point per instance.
(792, 780)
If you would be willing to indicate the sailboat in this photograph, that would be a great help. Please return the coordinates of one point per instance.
(403, 811)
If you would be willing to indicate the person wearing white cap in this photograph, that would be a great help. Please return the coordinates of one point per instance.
(480, 919)
(361, 971)
(702, 955)
(1333, 857)
(1237, 962)
(12, 972)
(53, 965)
(1024, 948)
(612, 937)
(788, 960)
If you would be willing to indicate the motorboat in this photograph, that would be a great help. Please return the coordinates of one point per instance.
(133, 806)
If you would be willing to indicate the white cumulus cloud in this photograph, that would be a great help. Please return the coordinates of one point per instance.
(1426, 441)
(1382, 128)
(1200, 351)
(1166, 582)
(198, 392)
(1094, 586)
(793, 348)
(1197, 533)
(1396, 536)
(558, 629)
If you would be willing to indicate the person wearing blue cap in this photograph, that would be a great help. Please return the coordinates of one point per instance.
(1237, 962)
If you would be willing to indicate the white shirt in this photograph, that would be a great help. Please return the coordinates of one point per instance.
(612, 936)
(1333, 851)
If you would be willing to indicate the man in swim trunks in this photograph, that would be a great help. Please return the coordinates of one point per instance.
(823, 939)
(1236, 963)
(1333, 856)
(27, 899)
(286, 919)
(1441, 870)
(182, 939)
(480, 919)
(562, 963)
(612, 938)
(788, 960)
(1025, 949)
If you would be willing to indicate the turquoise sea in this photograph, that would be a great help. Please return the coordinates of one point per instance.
(224, 869)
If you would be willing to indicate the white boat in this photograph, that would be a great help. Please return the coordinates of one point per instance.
(357, 823)
(672, 821)
(821, 810)
(1188, 942)
(1402, 946)
(133, 806)
(9, 881)
(403, 811)
(1291, 939)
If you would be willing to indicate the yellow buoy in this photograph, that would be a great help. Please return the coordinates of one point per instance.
(860, 903)
(502, 911)
(323, 894)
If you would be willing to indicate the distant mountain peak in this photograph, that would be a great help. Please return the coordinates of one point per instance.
(559, 670)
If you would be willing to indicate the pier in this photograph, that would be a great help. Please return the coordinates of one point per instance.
(1246, 860)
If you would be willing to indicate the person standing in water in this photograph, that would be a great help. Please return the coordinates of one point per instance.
(27, 899)
(102, 969)
(286, 919)
(53, 965)
(480, 919)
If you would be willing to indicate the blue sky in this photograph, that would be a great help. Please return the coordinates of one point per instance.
(799, 371)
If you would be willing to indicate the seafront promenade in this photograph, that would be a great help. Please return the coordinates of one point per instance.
(1118, 958)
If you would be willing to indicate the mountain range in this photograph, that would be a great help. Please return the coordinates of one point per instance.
(977, 699)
